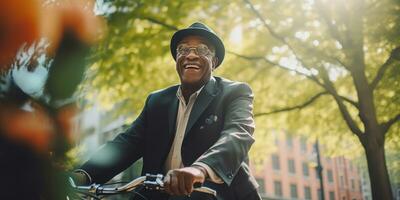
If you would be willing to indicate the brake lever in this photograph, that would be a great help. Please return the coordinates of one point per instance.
(154, 182)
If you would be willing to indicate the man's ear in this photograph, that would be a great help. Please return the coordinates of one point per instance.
(215, 62)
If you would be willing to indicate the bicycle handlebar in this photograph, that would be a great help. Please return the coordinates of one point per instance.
(150, 182)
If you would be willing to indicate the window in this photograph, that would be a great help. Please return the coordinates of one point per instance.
(293, 190)
(307, 193)
(261, 182)
(278, 188)
(342, 181)
(328, 160)
(289, 141)
(353, 187)
(306, 171)
(330, 176)
(331, 195)
(275, 162)
(341, 161)
(292, 168)
(303, 145)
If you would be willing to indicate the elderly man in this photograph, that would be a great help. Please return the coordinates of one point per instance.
(198, 131)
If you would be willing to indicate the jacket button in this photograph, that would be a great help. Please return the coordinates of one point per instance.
(230, 175)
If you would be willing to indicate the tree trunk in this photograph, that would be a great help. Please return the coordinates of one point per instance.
(378, 173)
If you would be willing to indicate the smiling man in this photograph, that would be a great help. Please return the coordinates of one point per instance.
(195, 62)
(198, 131)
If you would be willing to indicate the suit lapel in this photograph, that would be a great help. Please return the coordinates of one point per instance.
(172, 111)
(203, 100)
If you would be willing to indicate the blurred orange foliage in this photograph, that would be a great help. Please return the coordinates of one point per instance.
(19, 23)
(33, 129)
(25, 21)
(75, 16)
(34, 139)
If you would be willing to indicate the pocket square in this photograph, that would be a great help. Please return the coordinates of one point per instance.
(211, 119)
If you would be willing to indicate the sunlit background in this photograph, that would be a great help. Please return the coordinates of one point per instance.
(318, 69)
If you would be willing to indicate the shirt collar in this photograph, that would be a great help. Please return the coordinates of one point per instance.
(180, 95)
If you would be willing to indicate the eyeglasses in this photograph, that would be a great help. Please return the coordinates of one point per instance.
(201, 50)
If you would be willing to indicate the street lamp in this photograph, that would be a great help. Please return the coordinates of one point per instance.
(319, 168)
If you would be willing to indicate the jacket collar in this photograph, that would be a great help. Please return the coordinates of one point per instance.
(206, 95)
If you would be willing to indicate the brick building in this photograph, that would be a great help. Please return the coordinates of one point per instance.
(290, 173)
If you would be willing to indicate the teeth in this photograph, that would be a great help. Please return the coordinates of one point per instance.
(191, 66)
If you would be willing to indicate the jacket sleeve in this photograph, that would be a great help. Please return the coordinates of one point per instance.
(118, 154)
(231, 149)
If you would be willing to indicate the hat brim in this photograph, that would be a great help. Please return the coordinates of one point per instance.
(212, 38)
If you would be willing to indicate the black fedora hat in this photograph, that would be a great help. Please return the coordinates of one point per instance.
(202, 30)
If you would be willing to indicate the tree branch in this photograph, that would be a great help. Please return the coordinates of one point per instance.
(301, 106)
(275, 34)
(255, 58)
(352, 102)
(311, 77)
(156, 21)
(343, 109)
(269, 28)
(314, 51)
(326, 84)
(395, 54)
(332, 30)
(386, 126)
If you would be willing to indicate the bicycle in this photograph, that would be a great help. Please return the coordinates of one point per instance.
(149, 182)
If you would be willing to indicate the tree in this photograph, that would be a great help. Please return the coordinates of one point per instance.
(134, 52)
(343, 49)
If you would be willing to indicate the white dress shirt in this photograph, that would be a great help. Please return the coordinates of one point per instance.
(174, 159)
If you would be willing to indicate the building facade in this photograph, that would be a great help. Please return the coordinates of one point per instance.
(290, 173)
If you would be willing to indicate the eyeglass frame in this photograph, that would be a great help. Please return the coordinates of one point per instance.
(196, 51)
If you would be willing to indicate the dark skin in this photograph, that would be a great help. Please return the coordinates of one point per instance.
(194, 71)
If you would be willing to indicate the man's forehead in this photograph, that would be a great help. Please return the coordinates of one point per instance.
(195, 39)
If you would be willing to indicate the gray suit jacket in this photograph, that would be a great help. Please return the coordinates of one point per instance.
(218, 133)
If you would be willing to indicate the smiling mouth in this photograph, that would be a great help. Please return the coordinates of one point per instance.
(191, 66)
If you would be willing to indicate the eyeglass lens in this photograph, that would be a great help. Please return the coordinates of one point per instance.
(200, 50)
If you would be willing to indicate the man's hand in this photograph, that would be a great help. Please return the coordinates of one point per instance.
(180, 181)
